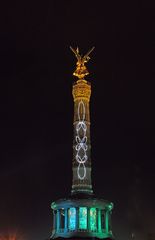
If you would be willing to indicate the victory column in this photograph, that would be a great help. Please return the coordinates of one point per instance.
(82, 215)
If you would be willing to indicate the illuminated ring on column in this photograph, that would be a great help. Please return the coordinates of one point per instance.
(81, 141)
(81, 160)
(81, 104)
(81, 124)
(84, 173)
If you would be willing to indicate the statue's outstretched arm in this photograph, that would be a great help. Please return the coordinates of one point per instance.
(86, 57)
(76, 53)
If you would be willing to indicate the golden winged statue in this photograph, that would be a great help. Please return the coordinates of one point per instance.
(81, 70)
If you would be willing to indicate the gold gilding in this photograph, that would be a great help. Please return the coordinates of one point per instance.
(81, 90)
(81, 70)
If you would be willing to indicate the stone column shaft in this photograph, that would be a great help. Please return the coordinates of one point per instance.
(58, 219)
(107, 221)
(66, 219)
(81, 142)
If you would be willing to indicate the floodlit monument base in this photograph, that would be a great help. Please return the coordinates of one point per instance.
(82, 217)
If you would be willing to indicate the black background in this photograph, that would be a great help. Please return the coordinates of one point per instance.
(36, 67)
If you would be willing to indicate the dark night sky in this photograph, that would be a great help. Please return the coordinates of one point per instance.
(36, 107)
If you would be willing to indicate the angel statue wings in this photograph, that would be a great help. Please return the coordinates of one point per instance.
(81, 70)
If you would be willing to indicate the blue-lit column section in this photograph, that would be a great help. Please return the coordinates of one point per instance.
(72, 219)
(66, 220)
(88, 219)
(99, 220)
(77, 219)
(83, 218)
(58, 220)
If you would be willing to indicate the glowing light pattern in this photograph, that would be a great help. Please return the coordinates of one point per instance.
(72, 218)
(93, 219)
(81, 140)
(83, 218)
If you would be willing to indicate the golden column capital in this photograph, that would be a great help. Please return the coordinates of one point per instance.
(81, 90)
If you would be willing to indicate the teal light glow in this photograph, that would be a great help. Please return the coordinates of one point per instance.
(83, 218)
(92, 219)
(103, 219)
(72, 218)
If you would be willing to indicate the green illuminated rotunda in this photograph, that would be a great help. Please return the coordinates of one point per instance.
(82, 215)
